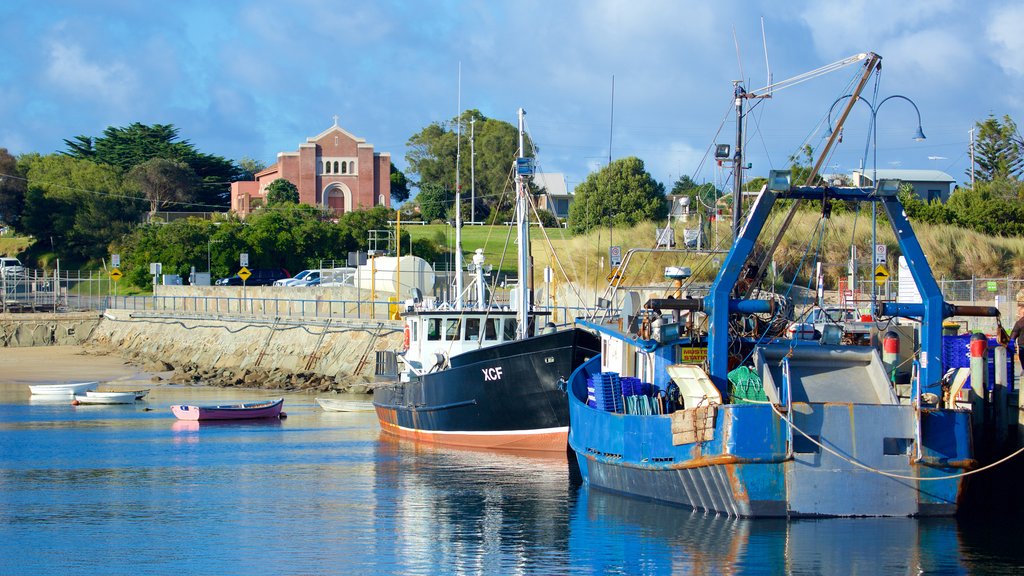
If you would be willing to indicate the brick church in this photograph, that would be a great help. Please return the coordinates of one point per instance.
(333, 169)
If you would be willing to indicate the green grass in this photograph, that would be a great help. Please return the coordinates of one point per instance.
(14, 245)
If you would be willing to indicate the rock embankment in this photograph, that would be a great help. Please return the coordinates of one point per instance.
(272, 353)
(18, 330)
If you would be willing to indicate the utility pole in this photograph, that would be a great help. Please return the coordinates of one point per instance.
(971, 132)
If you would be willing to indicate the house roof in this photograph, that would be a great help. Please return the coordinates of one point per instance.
(553, 182)
(909, 175)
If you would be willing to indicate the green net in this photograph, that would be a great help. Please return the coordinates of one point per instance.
(745, 386)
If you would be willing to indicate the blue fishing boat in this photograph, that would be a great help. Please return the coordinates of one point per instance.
(691, 403)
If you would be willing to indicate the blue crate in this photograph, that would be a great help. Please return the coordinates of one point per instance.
(606, 391)
(956, 353)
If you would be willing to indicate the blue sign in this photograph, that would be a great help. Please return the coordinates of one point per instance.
(524, 166)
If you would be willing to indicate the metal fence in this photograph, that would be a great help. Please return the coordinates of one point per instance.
(54, 291)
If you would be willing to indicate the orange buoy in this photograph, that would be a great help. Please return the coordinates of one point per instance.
(75, 402)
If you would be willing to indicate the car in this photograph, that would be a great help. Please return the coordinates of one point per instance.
(311, 279)
(297, 279)
(11, 266)
(257, 277)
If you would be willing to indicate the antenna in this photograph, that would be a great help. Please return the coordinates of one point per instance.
(739, 61)
(611, 122)
(764, 42)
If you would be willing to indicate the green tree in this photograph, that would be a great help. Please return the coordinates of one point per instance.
(165, 183)
(705, 194)
(399, 185)
(989, 207)
(12, 190)
(997, 150)
(432, 155)
(282, 191)
(76, 208)
(622, 194)
(248, 167)
(434, 201)
(129, 146)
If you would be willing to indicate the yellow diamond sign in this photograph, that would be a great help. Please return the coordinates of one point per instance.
(244, 273)
(115, 274)
(881, 275)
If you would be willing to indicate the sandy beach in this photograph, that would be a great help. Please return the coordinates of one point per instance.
(44, 364)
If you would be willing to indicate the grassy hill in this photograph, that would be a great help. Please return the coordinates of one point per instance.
(952, 252)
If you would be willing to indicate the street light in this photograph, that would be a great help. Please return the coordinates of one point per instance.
(873, 141)
(210, 241)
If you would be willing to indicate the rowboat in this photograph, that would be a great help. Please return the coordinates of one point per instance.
(335, 405)
(65, 389)
(250, 410)
(94, 397)
(139, 394)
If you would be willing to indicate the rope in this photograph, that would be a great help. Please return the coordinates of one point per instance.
(882, 472)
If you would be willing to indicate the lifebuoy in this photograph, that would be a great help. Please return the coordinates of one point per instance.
(405, 342)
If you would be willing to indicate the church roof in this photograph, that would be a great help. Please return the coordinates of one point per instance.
(336, 128)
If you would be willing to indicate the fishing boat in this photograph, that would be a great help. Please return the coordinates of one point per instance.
(243, 411)
(96, 397)
(67, 389)
(336, 405)
(692, 403)
(479, 375)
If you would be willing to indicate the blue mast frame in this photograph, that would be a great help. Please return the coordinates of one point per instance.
(931, 311)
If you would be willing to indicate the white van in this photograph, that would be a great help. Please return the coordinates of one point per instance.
(11, 266)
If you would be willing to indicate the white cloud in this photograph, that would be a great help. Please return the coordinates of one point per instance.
(1004, 30)
(842, 27)
(69, 70)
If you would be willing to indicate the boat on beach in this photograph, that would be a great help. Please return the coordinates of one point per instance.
(337, 405)
(481, 375)
(97, 397)
(700, 402)
(66, 389)
(242, 411)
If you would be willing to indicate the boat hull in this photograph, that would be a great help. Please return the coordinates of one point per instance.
(62, 389)
(746, 469)
(250, 411)
(507, 396)
(92, 397)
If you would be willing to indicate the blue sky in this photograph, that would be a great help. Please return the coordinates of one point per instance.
(255, 78)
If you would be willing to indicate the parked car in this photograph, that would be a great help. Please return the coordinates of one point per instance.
(258, 277)
(11, 266)
(311, 279)
(295, 279)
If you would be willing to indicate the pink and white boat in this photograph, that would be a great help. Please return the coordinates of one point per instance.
(246, 411)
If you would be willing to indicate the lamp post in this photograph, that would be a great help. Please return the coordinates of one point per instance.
(210, 241)
(873, 142)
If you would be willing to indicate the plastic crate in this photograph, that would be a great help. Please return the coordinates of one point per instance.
(956, 353)
(607, 391)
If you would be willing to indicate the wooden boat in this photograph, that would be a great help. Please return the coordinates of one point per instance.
(336, 405)
(245, 411)
(95, 397)
(139, 394)
(65, 389)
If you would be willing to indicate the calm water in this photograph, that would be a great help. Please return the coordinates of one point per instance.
(119, 490)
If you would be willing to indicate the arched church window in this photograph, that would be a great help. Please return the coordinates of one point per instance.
(335, 166)
(352, 167)
(344, 167)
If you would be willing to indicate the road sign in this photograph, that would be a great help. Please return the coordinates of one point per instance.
(115, 260)
(115, 274)
(881, 275)
(156, 268)
(244, 273)
(615, 256)
(243, 259)
(880, 253)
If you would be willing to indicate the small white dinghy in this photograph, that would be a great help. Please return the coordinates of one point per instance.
(335, 405)
(93, 397)
(68, 389)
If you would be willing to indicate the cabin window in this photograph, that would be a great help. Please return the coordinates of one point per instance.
(472, 329)
(451, 329)
(511, 324)
(491, 329)
(434, 329)
(414, 330)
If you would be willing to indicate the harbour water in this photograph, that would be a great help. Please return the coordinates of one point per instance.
(122, 490)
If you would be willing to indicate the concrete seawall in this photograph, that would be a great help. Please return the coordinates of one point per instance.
(18, 330)
(289, 353)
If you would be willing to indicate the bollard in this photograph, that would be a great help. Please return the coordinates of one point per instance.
(891, 354)
(979, 383)
(999, 395)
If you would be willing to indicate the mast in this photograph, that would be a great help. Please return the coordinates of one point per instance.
(458, 199)
(737, 163)
(523, 234)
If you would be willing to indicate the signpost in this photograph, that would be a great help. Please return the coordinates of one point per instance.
(881, 274)
(615, 256)
(880, 254)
